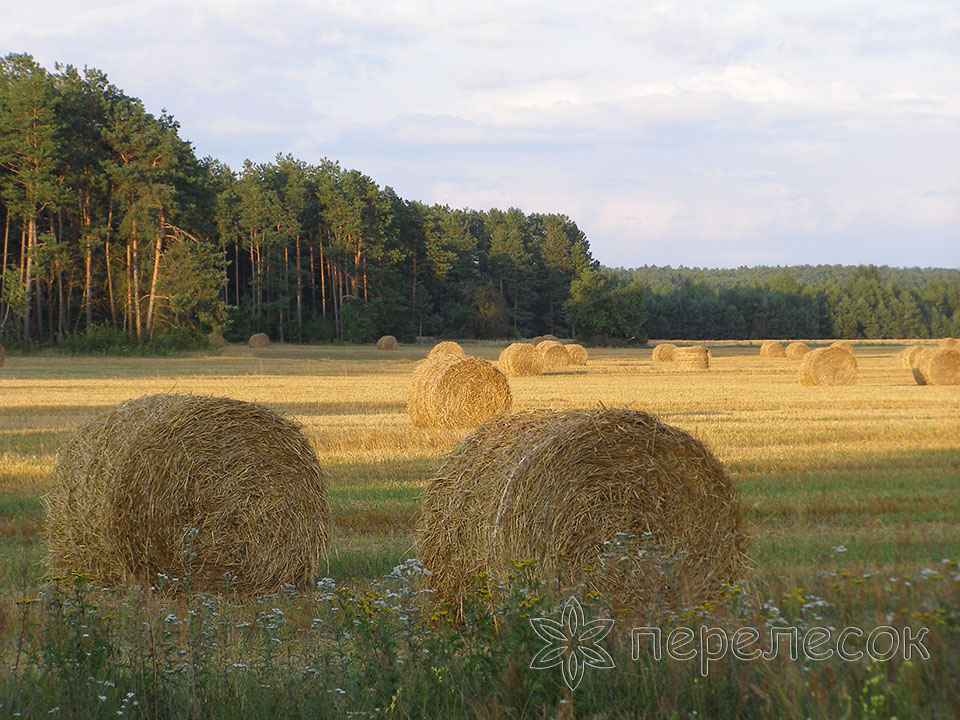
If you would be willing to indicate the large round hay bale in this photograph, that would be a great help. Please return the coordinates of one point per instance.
(949, 343)
(796, 350)
(520, 359)
(664, 352)
(216, 340)
(908, 356)
(143, 487)
(577, 353)
(772, 349)
(456, 391)
(693, 357)
(555, 356)
(559, 487)
(447, 347)
(843, 345)
(828, 366)
(387, 342)
(937, 366)
(259, 340)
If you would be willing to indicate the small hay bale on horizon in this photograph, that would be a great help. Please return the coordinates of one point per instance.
(446, 347)
(577, 353)
(536, 340)
(520, 359)
(665, 352)
(141, 487)
(843, 345)
(828, 366)
(259, 340)
(693, 357)
(387, 342)
(772, 349)
(216, 340)
(796, 350)
(949, 343)
(559, 488)
(555, 356)
(937, 366)
(548, 336)
(456, 391)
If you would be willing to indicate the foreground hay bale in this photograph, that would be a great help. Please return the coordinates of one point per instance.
(772, 349)
(387, 342)
(694, 357)
(555, 356)
(554, 487)
(949, 343)
(828, 366)
(909, 355)
(259, 340)
(843, 345)
(456, 391)
(937, 366)
(665, 352)
(216, 340)
(132, 482)
(447, 347)
(796, 350)
(520, 359)
(577, 353)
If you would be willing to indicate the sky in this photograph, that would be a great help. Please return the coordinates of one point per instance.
(705, 134)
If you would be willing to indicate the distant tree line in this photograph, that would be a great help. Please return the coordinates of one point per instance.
(115, 232)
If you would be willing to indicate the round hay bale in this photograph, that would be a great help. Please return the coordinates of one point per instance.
(772, 349)
(937, 366)
(694, 357)
(447, 347)
(133, 485)
(909, 355)
(559, 487)
(828, 366)
(259, 340)
(665, 352)
(949, 343)
(843, 345)
(577, 353)
(216, 340)
(520, 359)
(536, 340)
(796, 350)
(456, 391)
(548, 336)
(387, 342)
(555, 356)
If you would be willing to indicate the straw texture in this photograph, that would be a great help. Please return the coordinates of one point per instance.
(520, 359)
(937, 366)
(796, 350)
(456, 391)
(387, 342)
(828, 366)
(259, 340)
(665, 352)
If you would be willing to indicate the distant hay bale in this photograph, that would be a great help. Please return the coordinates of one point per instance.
(843, 345)
(949, 343)
(908, 356)
(456, 391)
(559, 488)
(447, 347)
(694, 357)
(387, 342)
(548, 336)
(828, 366)
(937, 366)
(520, 359)
(772, 349)
(259, 340)
(555, 356)
(134, 483)
(536, 340)
(665, 352)
(216, 340)
(796, 350)
(577, 353)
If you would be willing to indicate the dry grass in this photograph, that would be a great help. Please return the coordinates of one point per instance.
(388, 342)
(134, 483)
(772, 349)
(259, 341)
(937, 366)
(560, 488)
(665, 352)
(456, 391)
(949, 343)
(446, 347)
(832, 365)
(520, 359)
(796, 350)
